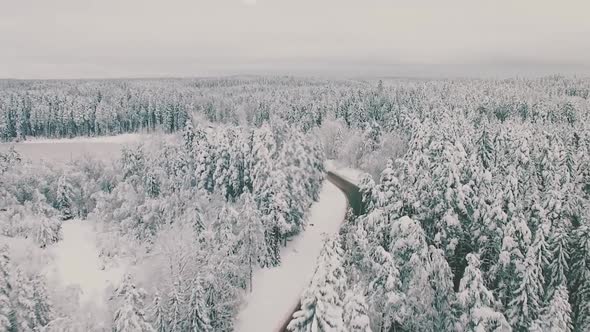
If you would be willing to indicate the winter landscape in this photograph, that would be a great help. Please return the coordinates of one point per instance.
(286, 188)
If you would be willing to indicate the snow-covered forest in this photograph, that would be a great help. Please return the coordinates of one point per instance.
(475, 202)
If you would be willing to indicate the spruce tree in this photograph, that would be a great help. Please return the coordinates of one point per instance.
(251, 245)
(384, 291)
(525, 306)
(129, 317)
(559, 244)
(580, 279)
(477, 303)
(356, 312)
(43, 306)
(25, 318)
(65, 198)
(198, 321)
(6, 309)
(557, 315)
(158, 314)
(321, 303)
(441, 281)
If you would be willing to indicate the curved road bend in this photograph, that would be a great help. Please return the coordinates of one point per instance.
(353, 196)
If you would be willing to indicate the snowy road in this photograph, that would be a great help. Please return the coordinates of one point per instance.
(276, 291)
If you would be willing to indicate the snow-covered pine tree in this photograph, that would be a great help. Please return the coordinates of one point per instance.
(367, 189)
(389, 185)
(175, 305)
(441, 281)
(129, 317)
(252, 247)
(273, 205)
(356, 312)
(157, 313)
(203, 161)
(525, 306)
(517, 239)
(6, 309)
(321, 303)
(556, 316)
(198, 320)
(188, 136)
(47, 231)
(559, 244)
(477, 302)
(222, 161)
(25, 318)
(239, 161)
(384, 290)
(485, 152)
(43, 306)
(410, 253)
(263, 151)
(65, 198)
(579, 279)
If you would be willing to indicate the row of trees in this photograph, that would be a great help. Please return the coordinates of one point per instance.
(106, 107)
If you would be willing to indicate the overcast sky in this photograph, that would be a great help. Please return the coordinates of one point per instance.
(139, 38)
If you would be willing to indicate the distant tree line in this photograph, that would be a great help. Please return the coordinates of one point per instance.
(107, 107)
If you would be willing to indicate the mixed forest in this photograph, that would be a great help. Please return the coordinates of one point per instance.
(475, 201)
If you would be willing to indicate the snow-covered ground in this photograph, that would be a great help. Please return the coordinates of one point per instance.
(350, 174)
(77, 263)
(120, 139)
(277, 291)
(66, 149)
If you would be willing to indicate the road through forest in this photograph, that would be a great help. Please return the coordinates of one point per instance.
(277, 291)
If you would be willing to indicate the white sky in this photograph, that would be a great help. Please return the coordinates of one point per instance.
(135, 38)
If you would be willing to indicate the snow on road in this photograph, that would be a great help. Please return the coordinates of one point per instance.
(276, 291)
(77, 262)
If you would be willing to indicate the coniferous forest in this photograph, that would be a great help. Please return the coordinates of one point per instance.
(475, 202)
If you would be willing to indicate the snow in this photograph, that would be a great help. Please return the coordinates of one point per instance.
(277, 291)
(66, 149)
(119, 139)
(77, 263)
(350, 174)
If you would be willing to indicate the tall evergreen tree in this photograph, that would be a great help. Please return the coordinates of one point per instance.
(129, 317)
(559, 243)
(580, 279)
(25, 318)
(441, 281)
(356, 312)
(557, 315)
(321, 303)
(384, 290)
(524, 308)
(477, 302)
(252, 247)
(6, 309)
(158, 314)
(198, 320)
(64, 198)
